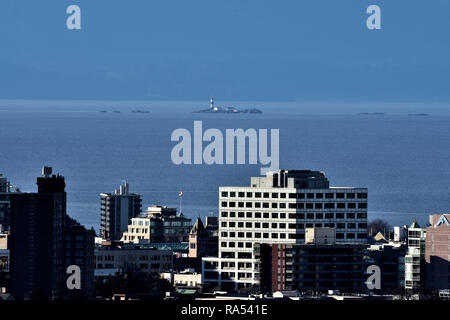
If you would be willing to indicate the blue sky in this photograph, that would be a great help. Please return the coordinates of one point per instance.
(234, 49)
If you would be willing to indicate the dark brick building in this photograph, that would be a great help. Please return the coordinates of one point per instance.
(44, 241)
(316, 266)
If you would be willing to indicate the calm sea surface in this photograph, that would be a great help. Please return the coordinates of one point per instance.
(403, 159)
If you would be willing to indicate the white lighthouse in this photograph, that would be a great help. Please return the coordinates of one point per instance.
(212, 107)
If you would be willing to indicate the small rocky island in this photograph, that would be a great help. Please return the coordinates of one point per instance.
(132, 111)
(140, 111)
(216, 109)
(371, 113)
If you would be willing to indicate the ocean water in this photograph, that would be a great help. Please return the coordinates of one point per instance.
(403, 159)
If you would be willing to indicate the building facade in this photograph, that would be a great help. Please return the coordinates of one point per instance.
(313, 267)
(111, 259)
(5, 204)
(38, 242)
(319, 265)
(203, 240)
(160, 224)
(4, 184)
(415, 258)
(437, 252)
(4, 253)
(185, 279)
(78, 248)
(391, 260)
(277, 209)
(117, 210)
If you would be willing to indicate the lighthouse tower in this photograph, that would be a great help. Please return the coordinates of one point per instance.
(212, 107)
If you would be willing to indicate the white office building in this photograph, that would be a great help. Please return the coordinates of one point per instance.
(277, 209)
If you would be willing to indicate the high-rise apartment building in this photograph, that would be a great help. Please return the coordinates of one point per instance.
(277, 209)
(78, 248)
(117, 210)
(40, 242)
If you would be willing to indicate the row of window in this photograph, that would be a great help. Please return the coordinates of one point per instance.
(232, 264)
(282, 215)
(276, 235)
(147, 222)
(138, 230)
(239, 255)
(275, 225)
(284, 195)
(145, 266)
(151, 258)
(105, 258)
(186, 223)
(129, 238)
(141, 258)
(301, 205)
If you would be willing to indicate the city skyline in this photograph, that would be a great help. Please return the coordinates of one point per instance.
(324, 241)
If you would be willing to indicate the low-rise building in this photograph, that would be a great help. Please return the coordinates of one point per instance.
(112, 258)
(320, 265)
(203, 240)
(187, 278)
(159, 224)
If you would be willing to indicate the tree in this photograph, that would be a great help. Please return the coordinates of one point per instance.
(378, 225)
(131, 281)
